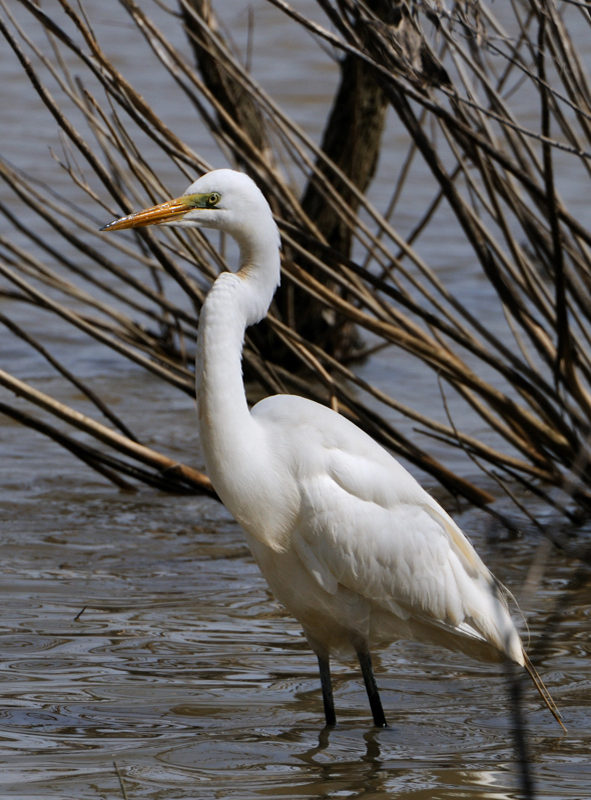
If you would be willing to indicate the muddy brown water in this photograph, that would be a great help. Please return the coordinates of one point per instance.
(136, 629)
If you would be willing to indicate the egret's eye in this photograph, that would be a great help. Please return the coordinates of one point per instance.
(213, 199)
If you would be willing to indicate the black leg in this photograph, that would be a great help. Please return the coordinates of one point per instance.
(329, 713)
(372, 689)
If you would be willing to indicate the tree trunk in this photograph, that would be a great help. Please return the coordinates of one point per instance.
(351, 141)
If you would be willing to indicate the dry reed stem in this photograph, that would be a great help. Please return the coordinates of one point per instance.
(117, 441)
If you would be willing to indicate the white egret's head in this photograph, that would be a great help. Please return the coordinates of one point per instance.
(224, 199)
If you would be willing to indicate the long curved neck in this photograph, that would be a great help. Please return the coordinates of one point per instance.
(229, 436)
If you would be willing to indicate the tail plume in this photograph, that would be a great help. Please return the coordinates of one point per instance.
(544, 693)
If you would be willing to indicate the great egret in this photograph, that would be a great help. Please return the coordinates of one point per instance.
(347, 539)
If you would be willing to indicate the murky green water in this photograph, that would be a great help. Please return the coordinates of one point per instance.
(136, 629)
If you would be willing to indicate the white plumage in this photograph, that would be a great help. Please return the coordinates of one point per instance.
(381, 557)
(347, 539)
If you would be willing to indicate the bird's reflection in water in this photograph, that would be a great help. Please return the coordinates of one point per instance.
(361, 775)
(381, 772)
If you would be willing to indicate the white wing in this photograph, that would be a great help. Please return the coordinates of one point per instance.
(366, 524)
